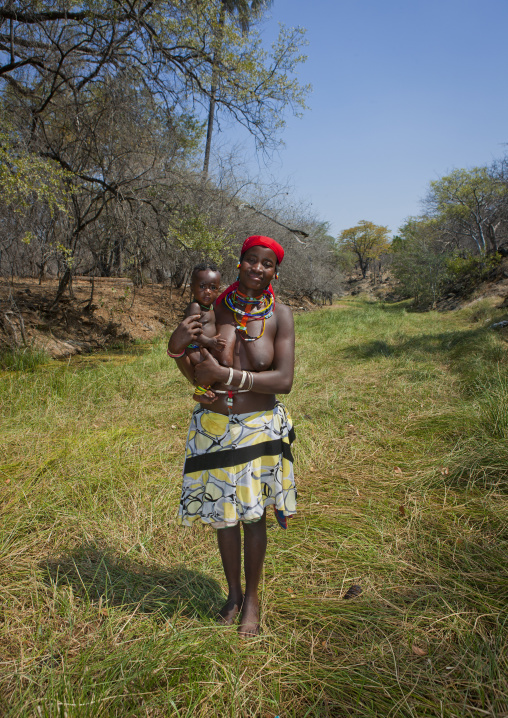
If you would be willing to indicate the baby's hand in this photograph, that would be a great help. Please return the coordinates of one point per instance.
(218, 343)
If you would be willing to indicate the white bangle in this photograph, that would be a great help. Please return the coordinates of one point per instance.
(244, 377)
(230, 377)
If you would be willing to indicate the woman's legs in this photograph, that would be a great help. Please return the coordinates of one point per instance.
(230, 552)
(254, 536)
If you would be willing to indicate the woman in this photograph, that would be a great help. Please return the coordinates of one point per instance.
(238, 455)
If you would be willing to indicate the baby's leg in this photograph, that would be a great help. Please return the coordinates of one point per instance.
(194, 356)
(202, 397)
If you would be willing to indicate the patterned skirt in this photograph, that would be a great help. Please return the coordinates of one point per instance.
(237, 465)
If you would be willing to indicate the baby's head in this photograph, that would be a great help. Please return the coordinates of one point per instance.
(205, 283)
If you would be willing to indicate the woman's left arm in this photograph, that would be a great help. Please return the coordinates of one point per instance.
(278, 380)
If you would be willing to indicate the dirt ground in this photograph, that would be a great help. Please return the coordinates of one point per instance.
(116, 313)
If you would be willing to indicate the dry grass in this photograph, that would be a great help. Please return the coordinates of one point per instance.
(108, 608)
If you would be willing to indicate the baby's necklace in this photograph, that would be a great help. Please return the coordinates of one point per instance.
(251, 308)
(203, 306)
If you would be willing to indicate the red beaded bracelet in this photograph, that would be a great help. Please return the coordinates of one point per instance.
(175, 356)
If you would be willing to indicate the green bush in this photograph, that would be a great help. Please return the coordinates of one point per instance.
(466, 271)
(420, 271)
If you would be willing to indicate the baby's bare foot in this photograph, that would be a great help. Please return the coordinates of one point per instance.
(230, 611)
(207, 398)
(249, 625)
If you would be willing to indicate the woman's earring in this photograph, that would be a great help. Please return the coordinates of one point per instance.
(238, 265)
(276, 275)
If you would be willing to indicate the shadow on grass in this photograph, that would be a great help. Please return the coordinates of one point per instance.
(96, 573)
(434, 344)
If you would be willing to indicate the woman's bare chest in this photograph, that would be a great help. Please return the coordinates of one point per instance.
(252, 350)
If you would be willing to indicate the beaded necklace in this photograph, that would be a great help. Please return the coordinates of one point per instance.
(251, 308)
(203, 306)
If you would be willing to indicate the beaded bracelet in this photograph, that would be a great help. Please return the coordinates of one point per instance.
(174, 356)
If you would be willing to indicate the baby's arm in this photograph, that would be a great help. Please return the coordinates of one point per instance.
(205, 340)
(192, 309)
(215, 342)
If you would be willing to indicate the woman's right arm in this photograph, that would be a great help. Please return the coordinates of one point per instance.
(186, 333)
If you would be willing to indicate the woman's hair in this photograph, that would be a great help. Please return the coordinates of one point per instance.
(202, 267)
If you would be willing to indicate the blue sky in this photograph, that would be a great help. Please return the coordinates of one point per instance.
(403, 92)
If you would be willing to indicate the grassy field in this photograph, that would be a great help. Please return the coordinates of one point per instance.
(107, 608)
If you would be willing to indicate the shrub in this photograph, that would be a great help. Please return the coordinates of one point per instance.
(466, 271)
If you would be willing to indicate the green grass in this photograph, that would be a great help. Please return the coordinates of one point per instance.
(107, 607)
(21, 359)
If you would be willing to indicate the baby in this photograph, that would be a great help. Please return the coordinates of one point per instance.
(205, 287)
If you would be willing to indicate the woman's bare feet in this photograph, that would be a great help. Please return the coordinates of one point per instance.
(249, 624)
(230, 611)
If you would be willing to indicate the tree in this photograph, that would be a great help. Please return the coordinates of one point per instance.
(25, 176)
(419, 261)
(498, 171)
(244, 11)
(179, 48)
(367, 241)
(467, 204)
(68, 70)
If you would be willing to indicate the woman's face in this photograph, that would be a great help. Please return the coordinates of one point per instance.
(257, 269)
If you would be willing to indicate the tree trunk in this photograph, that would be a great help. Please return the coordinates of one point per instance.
(89, 305)
(42, 270)
(213, 94)
(66, 278)
(491, 234)
(209, 129)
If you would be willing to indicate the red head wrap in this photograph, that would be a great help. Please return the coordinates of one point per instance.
(258, 241)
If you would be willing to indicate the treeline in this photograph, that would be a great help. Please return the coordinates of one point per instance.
(108, 114)
(458, 240)
(456, 243)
